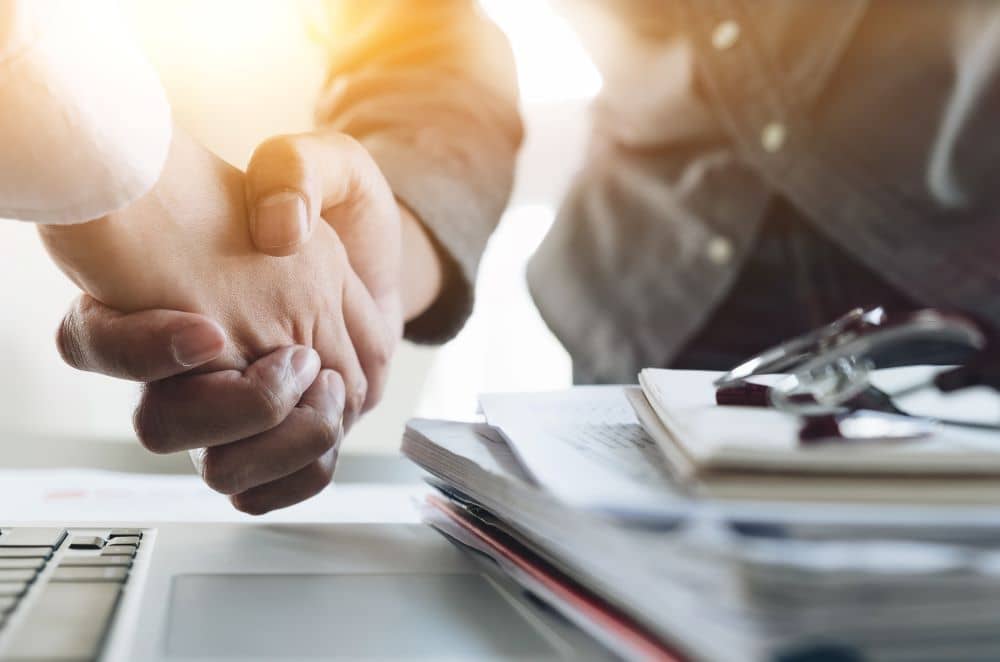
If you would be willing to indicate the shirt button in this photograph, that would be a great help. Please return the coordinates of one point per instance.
(725, 35)
(772, 138)
(719, 250)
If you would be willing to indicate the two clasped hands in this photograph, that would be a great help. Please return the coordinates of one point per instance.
(259, 310)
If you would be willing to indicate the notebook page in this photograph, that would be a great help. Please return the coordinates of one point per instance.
(585, 446)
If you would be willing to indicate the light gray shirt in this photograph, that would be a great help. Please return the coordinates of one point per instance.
(877, 119)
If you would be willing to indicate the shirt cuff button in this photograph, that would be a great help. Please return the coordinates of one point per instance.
(772, 138)
(725, 35)
(719, 250)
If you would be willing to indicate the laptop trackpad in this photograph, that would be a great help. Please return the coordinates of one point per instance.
(347, 616)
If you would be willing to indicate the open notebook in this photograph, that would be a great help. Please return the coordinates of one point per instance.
(755, 453)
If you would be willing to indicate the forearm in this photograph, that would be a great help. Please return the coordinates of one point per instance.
(65, 158)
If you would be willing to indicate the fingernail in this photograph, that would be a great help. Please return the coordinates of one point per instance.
(335, 386)
(335, 389)
(305, 367)
(196, 344)
(280, 220)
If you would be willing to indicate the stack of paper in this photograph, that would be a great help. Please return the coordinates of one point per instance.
(624, 567)
(755, 453)
(573, 499)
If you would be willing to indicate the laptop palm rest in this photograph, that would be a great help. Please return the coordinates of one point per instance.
(347, 616)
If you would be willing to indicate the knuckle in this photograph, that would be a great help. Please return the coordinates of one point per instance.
(270, 405)
(132, 368)
(353, 149)
(325, 435)
(374, 396)
(217, 475)
(337, 250)
(333, 381)
(248, 504)
(356, 394)
(349, 145)
(366, 172)
(149, 427)
(381, 356)
(319, 476)
(284, 150)
(378, 373)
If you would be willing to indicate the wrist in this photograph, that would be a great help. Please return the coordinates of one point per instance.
(422, 272)
(76, 247)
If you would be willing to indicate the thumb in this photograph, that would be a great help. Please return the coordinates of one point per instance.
(296, 181)
(293, 180)
(279, 181)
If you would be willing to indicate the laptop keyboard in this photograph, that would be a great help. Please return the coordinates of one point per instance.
(59, 589)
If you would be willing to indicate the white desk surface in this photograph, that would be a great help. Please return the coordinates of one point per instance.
(70, 495)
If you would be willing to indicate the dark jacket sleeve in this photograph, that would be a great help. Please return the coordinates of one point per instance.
(429, 88)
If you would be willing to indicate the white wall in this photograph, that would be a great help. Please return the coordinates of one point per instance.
(237, 72)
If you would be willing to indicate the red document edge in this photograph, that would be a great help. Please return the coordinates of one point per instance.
(645, 645)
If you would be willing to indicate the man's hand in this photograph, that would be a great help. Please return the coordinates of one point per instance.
(281, 421)
(298, 183)
(295, 183)
(186, 247)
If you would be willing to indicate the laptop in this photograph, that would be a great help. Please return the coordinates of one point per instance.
(271, 592)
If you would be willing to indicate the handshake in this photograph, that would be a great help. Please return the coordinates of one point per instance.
(260, 310)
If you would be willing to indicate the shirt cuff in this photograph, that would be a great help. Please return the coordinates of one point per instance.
(458, 216)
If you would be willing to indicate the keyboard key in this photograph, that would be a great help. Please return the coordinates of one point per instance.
(21, 564)
(7, 603)
(118, 533)
(17, 575)
(66, 622)
(86, 542)
(32, 537)
(88, 561)
(13, 588)
(25, 552)
(125, 540)
(119, 550)
(91, 574)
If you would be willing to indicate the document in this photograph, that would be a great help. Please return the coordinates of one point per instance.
(714, 437)
(888, 583)
(745, 454)
(585, 446)
(568, 598)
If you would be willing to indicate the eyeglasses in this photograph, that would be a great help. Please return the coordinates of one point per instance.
(824, 376)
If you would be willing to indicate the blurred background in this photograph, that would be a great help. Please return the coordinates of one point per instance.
(237, 72)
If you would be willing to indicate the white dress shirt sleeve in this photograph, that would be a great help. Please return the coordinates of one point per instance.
(84, 122)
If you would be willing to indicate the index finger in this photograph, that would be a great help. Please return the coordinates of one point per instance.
(145, 346)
